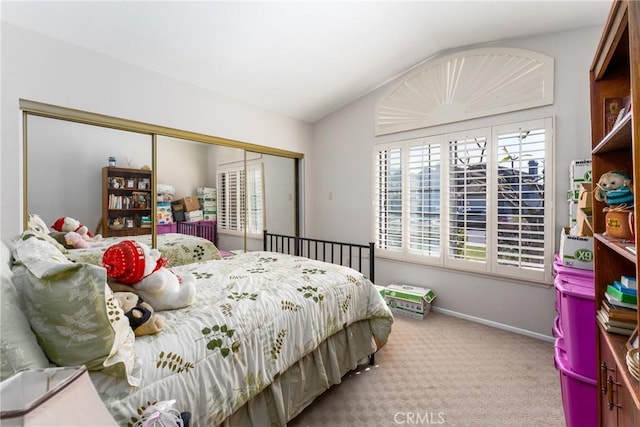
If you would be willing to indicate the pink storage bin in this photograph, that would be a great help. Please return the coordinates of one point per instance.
(577, 320)
(579, 393)
(557, 328)
(167, 228)
(558, 268)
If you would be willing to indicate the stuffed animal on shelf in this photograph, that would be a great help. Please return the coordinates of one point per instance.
(615, 189)
(66, 224)
(40, 229)
(76, 241)
(142, 318)
(145, 273)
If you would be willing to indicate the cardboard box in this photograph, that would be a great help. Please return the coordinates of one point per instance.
(193, 216)
(580, 171)
(380, 289)
(208, 204)
(206, 192)
(408, 300)
(165, 214)
(408, 313)
(190, 204)
(576, 251)
(209, 215)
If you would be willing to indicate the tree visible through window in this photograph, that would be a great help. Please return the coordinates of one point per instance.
(472, 200)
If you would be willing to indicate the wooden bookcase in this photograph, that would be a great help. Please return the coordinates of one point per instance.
(615, 73)
(126, 199)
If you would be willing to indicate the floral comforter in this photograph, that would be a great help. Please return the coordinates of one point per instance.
(178, 248)
(256, 315)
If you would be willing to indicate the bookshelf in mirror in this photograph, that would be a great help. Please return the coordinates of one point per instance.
(126, 202)
(615, 99)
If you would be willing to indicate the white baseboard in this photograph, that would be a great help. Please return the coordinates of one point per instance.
(494, 324)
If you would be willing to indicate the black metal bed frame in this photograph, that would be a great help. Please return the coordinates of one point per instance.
(320, 250)
(323, 250)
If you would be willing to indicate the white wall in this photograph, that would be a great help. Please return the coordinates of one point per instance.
(340, 164)
(46, 70)
(338, 160)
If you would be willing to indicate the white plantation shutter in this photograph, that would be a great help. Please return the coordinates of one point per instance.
(468, 172)
(521, 156)
(472, 201)
(223, 202)
(255, 201)
(241, 205)
(388, 202)
(424, 167)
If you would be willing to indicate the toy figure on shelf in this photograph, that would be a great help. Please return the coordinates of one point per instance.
(615, 189)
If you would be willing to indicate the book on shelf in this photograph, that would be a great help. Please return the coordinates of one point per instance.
(628, 281)
(613, 300)
(621, 115)
(626, 323)
(612, 328)
(612, 107)
(619, 313)
(625, 289)
(621, 295)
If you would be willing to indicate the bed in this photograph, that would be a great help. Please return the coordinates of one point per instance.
(178, 248)
(269, 332)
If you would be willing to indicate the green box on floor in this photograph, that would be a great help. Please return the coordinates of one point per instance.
(408, 300)
(380, 289)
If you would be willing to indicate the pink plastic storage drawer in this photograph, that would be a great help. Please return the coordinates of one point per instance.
(579, 393)
(557, 328)
(577, 312)
(558, 268)
(167, 228)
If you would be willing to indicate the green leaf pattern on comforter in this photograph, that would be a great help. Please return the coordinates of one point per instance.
(179, 249)
(256, 314)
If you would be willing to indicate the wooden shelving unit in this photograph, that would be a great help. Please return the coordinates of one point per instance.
(126, 199)
(615, 73)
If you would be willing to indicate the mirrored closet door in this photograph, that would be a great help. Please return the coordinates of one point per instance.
(122, 178)
(65, 162)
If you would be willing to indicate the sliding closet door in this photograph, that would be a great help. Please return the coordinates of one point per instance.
(64, 162)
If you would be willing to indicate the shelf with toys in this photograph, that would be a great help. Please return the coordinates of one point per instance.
(615, 135)
(126, 201)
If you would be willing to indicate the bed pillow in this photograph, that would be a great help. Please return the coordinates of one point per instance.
(72, 310)
(19, 347)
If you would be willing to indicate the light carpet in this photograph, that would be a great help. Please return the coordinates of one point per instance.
(446, 371)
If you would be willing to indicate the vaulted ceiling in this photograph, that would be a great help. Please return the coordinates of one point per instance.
(303, 59)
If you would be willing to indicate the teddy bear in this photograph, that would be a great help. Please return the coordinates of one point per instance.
(66, 224)
(36, 224)
(76, 241)
(615, 189)
(142, 318)
(137, 268)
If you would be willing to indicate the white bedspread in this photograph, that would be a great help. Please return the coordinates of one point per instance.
(256, 314)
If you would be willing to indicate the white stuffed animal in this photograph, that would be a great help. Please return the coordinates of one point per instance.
(76, 241)
(144, 271)
(39, 227)
(66, 224)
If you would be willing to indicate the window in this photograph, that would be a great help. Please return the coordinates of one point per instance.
(241, 205)
(472, 200)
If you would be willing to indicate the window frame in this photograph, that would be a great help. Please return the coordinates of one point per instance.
(493, 265)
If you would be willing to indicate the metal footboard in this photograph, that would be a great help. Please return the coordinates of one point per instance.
(351, 255)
